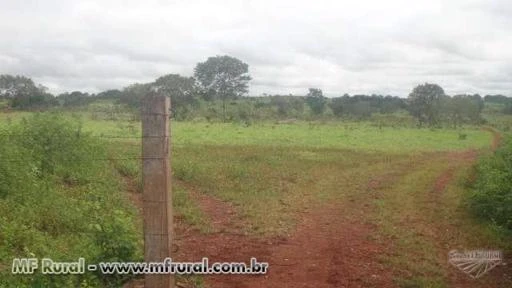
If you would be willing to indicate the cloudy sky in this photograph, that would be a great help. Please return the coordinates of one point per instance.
(362, 46)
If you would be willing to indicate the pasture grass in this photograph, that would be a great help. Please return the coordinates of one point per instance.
(354, 136)
(359, 136)
(269, 185)
(269, 172)
(423, 224)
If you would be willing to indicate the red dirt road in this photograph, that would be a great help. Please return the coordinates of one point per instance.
(332, 245)
(326, 250)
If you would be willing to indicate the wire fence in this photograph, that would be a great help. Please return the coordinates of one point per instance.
(129, 157)
(179, 235)
(113, 156)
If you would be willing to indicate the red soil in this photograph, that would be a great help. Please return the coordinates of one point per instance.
(331, 246)
(326, 250)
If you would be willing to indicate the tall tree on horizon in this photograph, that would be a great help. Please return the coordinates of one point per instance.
(316, 100)
(425, 103)
(181, 90)
(23, 93)
(223, 77)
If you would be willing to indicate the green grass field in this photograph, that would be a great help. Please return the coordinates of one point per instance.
(351, 135)
(271, 173)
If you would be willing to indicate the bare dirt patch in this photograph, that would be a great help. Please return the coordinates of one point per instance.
(456, 159)
(327, 250)
(496, 138)
(332, 246)
(221, 214)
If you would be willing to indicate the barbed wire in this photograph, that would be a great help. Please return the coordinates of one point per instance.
(94, 159)
(78, 135)
(88, 135)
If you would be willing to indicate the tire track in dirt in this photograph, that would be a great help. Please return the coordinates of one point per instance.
(496, 137)
(499, 276)
(326, 250)
(221, 215)
(456, 160)
(332, 245)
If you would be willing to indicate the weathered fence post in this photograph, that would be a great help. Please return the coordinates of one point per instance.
(156, 178)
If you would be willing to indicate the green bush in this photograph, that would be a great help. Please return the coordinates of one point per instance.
(59, 198)
(492, 195)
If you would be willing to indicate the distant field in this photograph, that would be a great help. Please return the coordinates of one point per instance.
(344, 135)
(354, 136)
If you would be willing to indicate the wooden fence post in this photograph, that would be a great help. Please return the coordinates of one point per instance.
(156, 179)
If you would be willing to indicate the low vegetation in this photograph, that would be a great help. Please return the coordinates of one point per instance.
(492, 190)
(59, 199)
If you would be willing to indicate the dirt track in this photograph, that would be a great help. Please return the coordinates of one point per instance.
(332, 246)
(325, 251)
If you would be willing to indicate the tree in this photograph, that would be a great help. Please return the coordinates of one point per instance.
(463, 109)
(316, 101)
(283, 107)
(110, 94)
(425, 103)
(181, 90)
(338, 105)
(223, 77)
(23, 93)
(478, 101)
(74, 99)
(498, 99)
(132, 95)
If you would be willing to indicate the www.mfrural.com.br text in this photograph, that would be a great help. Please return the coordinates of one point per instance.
(51, 267)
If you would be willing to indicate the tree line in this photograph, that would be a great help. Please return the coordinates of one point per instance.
(219, 86)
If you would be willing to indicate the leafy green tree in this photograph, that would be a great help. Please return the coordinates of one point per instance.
(316, 101)
(223, 77)
(462, 109)
(338, 105)
(478, 101)
(74, 99)
(283, 107)
(425, 103)
(23, 93)
(182, 91)
(361, 109)
(110, 94)
(498, 99)
(132, 95)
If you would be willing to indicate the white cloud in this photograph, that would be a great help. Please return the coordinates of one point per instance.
(340, 46)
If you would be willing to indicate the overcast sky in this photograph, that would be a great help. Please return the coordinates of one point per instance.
(384, 47)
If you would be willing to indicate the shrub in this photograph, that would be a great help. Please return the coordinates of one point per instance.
(60, 199)
(492, 195)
